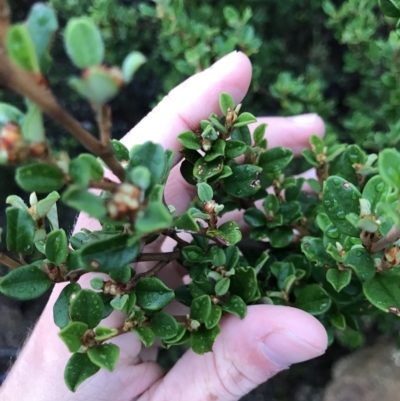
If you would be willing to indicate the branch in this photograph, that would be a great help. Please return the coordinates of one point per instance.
(103, 116)
(159, 256)
(392, 236)
(22, 82)
(5, 260)
(150, 273)
(105, 185)
(218, 240)
(4, 22)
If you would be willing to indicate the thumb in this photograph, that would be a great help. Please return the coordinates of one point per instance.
(246, 353)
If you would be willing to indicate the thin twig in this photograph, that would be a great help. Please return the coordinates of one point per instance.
(22, 82)
(11, 263)
(392, 236)
(172, 234)
(104, 122)
(105, 185)
(4, 22)
(159, 256)
(150, 273)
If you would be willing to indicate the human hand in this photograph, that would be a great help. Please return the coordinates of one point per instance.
(248, 351)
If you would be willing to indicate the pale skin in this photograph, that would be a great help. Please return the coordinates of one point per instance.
(248, 352)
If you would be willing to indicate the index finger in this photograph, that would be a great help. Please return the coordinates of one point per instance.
(192, 101)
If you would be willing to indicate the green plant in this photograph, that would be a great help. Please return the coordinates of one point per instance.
(332, 250)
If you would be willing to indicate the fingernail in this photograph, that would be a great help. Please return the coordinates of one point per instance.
(303, 119)
(284, 348)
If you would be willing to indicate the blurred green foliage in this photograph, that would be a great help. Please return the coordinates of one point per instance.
(337, 58)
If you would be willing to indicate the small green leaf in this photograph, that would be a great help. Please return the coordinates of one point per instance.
(244, 119)
(383, 290)
(309, 156)
(79, 368)
(32, 127)
(315, 251)
(25, 282)
(57, 246)
(360, 260)
(156, 217)
(259, 133)
(222, 286)
(217, 150)
(282, 270)
(281, 237)
(338, 279)
(83, 53)
(20, 230)
(275, 159)
(130, 303)
(236, 306)
(97, 283)
(193, 253)
(375, 191)
(226, 103)
(391, 8)
(186, 222)
(271, 204)
(40, 177)
(254, 217)
(145, 335)
(389, 167)
(119, 302)
(244, 283)
(140, 176)
(164, 325)
(45, 206)
(132, 62)
(72, 335)
(200, 308)
(229, 231)
(120, 150)
(42, 24)
(109, 254)
(105, 333)
(84, 201)
(242, 134)
(313, 299)
(202, 340)
(87, 307)
(98, 87)
(61, 306)
(340, 198)
(214, 317)
(21, 49)
(232, 256)
(204, 191)
(204, 170)
(104, 356)
(338, 320)
(234, 149)
(243, 182)
(149, 155)
(153, 294)
(190, 140)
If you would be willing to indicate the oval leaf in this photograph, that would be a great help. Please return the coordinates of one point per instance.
(25, 282)
(83, 42)
(104, 356)
(153, 294)
(40, 177)
(313, 299)
(57, 246)
(78, 369)
(87, 307)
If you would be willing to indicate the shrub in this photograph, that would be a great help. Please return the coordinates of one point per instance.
(331, 250)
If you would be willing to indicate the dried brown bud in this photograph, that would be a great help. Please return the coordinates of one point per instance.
(231, 117)
(125, 201)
